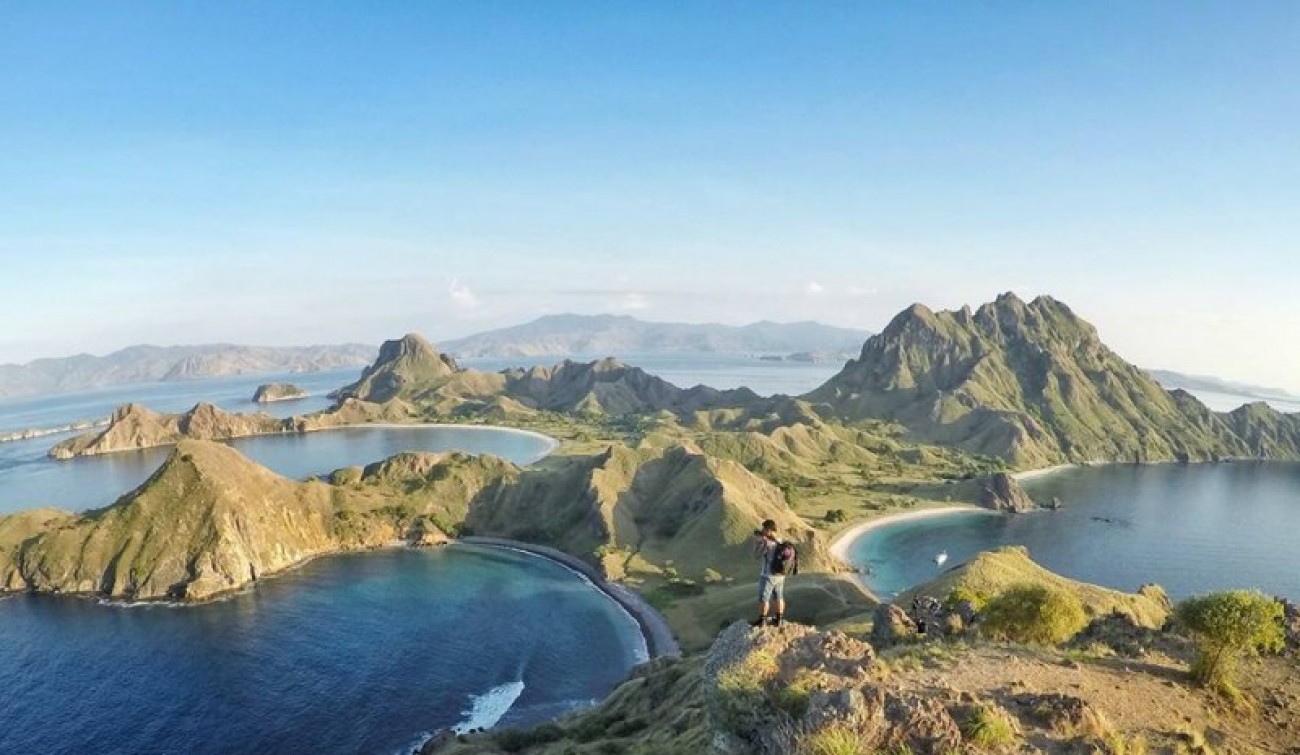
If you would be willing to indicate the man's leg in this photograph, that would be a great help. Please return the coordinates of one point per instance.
(779, 589)
(764, 598)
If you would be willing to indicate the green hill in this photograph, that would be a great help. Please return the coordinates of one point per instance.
(644, 511)
(413, 371)
(991, 572)
(209, 520)
(1031, 383)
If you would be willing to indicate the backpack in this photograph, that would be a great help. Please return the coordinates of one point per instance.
(785, 560)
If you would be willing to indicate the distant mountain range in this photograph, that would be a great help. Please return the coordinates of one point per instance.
(621, 335)
(147, 364)
(1172, 380)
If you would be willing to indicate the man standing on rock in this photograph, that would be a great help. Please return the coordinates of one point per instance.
(778, 559)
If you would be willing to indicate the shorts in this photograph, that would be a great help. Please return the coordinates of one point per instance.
(770, 585)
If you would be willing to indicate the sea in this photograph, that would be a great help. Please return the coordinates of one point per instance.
(1189, 528)
(359, 653)
(368, 653)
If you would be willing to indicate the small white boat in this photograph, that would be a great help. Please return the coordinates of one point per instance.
(941, 558)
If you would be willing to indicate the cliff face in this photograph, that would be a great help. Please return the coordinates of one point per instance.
(209, 520)
(1028, 382)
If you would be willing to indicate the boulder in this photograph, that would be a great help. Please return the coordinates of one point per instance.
(1291, 623)
(1063, 714)
(1001, 492)
(892, 625)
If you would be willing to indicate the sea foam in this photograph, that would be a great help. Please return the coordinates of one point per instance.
(488, 708)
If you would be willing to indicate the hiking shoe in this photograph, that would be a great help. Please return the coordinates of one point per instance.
(761, 621)
(776, 621)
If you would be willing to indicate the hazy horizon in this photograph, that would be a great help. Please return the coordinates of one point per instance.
(294, 173)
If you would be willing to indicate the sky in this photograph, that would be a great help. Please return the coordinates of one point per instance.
(315, 172)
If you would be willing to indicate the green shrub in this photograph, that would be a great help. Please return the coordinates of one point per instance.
(835, 516)
(1034, 613)
(963, 594)
(988, 729)
(1227, 626)
(518, 740)
(793, 697)
(835, 739)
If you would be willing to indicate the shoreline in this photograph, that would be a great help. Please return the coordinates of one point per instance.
(839, 547)
(655, 632)
(552, 444)
(1038, 474)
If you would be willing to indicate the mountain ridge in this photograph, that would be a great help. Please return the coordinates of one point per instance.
(608, 334)
(145, 363)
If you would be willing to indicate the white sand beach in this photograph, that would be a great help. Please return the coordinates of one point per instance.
(840, 546)
(1035, 474)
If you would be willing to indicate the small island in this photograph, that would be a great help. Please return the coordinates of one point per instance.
(272, 392)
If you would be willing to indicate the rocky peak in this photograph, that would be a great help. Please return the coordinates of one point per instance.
(916, 317)
(404, 365)
(414, 348)
(131, 411)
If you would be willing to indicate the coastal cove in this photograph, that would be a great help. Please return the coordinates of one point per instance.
(362, 652)
(1190, 528)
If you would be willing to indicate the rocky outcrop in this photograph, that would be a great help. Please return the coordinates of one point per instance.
(1032, 383)
(1001, 492)
(1066, 715)
(209, 520)
(40, 432)
(1291, 623)
(272, 392)
(133, 427)
(891, 625)
(749, 674)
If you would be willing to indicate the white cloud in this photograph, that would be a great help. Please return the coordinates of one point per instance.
(461, 295)
(814, 288)
(863, 290)
(633, 301)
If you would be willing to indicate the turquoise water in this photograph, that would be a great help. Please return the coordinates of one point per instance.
(355, 653)
(29, 478)
(350, 654)
(1189, 528)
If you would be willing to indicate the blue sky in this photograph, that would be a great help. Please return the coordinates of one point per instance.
(315, 172)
